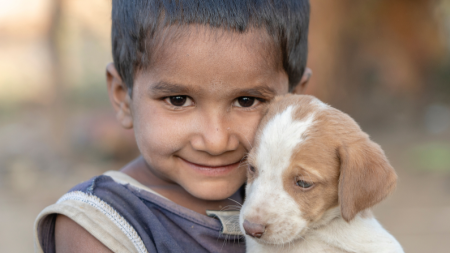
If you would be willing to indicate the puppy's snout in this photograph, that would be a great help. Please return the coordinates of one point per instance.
(254, 229)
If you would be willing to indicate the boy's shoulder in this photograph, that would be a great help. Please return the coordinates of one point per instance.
(127, 216)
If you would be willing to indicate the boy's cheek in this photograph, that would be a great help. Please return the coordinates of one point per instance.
(152, 126)
(157, 138)
(246, 125)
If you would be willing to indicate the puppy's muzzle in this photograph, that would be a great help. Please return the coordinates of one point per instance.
(254, 229)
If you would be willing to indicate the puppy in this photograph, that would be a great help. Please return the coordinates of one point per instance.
(312, 177)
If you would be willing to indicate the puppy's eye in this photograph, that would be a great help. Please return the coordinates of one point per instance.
(251, 169)
(304, 184)
(179, 101)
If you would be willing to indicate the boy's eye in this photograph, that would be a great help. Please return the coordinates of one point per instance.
(245, 101)
(179, 101)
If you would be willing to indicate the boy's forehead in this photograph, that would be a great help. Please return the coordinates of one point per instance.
(200, 51)
(176, 41)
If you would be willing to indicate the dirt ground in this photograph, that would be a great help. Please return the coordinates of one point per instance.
(417, 214)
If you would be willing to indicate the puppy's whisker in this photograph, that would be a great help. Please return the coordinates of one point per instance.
(231, 208)
(235, 201)
(243, 160)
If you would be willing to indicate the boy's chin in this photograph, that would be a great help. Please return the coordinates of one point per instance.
(214, 191)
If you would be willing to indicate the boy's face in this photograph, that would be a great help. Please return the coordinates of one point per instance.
(196, 108)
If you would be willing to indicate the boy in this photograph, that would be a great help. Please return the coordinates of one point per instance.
(192, 79)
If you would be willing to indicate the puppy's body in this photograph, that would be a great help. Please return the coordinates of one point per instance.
(313, 174)
(362, 234)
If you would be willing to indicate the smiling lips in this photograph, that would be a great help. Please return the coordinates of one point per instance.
(212, 170)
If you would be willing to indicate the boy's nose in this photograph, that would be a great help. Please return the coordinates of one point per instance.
(215, 143)
(215, 139)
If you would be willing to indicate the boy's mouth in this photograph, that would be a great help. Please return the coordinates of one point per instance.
(211, 170)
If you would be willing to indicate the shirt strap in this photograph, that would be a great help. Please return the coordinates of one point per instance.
(122, 178)
(229, 220)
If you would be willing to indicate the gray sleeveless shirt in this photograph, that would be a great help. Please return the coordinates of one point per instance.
(126, 216)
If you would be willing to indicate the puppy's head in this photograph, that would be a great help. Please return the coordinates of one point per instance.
(310, 163)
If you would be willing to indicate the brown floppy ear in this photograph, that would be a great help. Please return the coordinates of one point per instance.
(366, 177)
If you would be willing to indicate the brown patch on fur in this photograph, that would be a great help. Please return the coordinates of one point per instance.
(366, 176)
(353, 171)
(315, 155)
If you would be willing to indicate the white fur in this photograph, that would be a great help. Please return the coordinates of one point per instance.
(267, 202)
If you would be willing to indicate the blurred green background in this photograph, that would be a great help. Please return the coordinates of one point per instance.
(385, 62)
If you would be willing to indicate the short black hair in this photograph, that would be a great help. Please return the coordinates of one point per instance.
(134, 22)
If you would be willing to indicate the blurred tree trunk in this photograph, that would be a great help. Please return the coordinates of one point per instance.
(57, 105)
(372, 56)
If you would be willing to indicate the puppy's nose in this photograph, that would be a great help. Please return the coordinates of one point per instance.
(254, 229)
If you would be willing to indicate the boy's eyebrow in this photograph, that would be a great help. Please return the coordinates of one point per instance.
(259, 91)
(163, 87)
(170, 88)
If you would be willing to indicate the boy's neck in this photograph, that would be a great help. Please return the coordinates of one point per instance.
(138, 169)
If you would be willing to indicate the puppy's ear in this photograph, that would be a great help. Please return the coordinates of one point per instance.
(366, 177)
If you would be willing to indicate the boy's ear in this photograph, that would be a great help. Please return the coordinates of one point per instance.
(300, 88)
(119, 97)
(366, 177)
